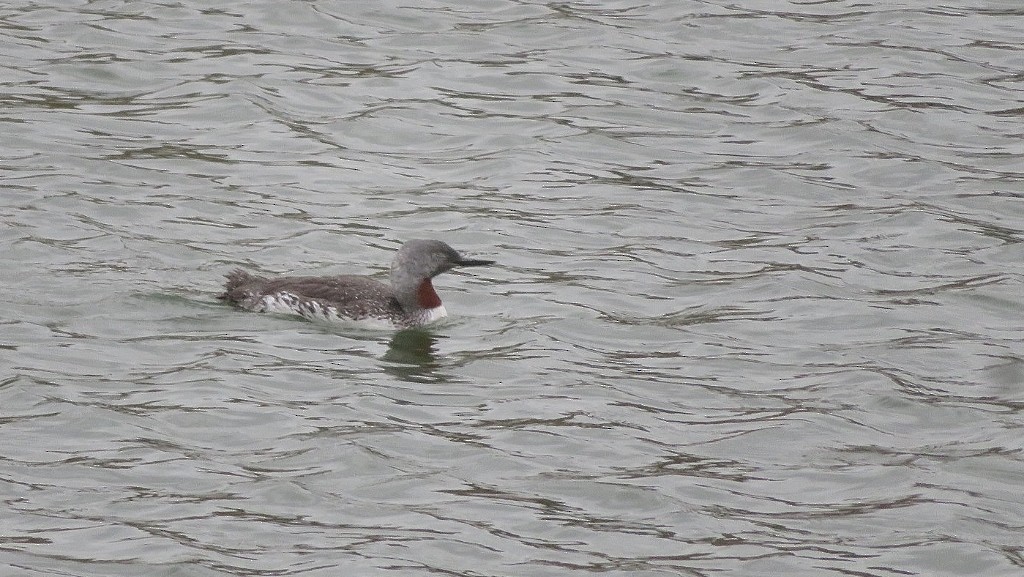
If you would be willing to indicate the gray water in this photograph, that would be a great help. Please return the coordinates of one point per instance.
(758, 309)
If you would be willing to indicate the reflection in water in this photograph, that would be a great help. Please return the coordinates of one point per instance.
(412, 355)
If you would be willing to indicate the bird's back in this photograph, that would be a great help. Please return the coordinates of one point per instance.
(319, 298)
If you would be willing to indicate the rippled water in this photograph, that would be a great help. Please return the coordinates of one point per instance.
(758, 310)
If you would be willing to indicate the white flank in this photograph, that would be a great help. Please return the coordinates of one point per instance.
(288, 303)
(283, 303)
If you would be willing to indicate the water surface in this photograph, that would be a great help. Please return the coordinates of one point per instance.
(758, 309)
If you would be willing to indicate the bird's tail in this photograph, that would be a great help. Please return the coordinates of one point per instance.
(235, 287)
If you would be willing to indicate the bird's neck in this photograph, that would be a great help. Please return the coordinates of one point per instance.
(426, 296)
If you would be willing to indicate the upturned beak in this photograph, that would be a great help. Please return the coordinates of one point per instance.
(473, 262)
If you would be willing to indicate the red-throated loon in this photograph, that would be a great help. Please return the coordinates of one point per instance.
(408, 301)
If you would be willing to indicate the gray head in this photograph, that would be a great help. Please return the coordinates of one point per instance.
(423, 259)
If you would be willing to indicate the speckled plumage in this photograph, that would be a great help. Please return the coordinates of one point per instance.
(410, 300)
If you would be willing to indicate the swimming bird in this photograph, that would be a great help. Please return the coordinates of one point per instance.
(409, 300)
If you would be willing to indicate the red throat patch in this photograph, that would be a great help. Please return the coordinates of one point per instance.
(427, 296)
